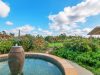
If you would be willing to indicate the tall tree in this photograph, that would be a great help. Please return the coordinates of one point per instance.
(4, 32)
(12, 34)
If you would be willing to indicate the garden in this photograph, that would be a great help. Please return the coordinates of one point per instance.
(84, 51)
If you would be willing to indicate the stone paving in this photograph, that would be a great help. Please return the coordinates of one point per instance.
(80, 70)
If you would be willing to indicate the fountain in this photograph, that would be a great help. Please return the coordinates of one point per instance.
(18, 63)
(16, 60)
(35, 64)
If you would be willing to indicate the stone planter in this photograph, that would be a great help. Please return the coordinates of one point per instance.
(16, 60)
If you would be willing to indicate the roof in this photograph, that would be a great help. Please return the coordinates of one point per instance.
(95, 31)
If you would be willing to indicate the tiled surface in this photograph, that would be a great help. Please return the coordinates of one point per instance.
(67, 67)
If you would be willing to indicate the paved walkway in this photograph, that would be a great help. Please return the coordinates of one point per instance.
(81, 70)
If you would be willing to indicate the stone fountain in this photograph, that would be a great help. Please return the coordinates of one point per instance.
(16, 60)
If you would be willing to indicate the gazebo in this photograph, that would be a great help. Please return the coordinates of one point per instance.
(95, 31)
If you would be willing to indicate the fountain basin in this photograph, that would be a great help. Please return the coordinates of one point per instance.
(64, 68)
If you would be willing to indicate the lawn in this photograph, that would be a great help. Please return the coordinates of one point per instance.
(55, 44)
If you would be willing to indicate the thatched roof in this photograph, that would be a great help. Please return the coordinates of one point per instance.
(95, 31)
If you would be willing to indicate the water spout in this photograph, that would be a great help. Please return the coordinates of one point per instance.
(16, 44)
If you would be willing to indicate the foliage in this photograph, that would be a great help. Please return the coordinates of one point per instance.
(29, 43)
(5, 46)
(25, 41)
(49, 39)
(81, 45)
(85, 52)
(40, 43)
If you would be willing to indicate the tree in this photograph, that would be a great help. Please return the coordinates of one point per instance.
(62, 37)
(4, 32)
(12, 34)
(49, 38)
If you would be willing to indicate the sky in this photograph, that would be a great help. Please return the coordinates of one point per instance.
(49, 17)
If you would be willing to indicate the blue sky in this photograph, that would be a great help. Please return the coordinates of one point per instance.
(49, 17)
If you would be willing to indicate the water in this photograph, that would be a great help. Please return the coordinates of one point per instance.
(33, 67)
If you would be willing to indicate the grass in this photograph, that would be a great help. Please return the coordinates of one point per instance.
(55, 44)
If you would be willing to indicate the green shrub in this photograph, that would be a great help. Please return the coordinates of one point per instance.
(89, 60)
(65, 53)
(39, 43)
(5, 46)
(27, 44)
(81, 45)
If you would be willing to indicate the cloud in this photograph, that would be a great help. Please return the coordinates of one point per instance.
(26, 29)
(35, 33)
(68, 19)
(39, 29)
(87, 30)
(46, 32)
(29, 29)
(79, 32)
(4, 9)
(43, 32)
(9, 23)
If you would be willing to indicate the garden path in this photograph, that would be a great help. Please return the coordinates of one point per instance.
(81, 70)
